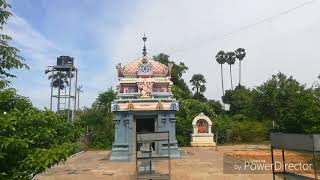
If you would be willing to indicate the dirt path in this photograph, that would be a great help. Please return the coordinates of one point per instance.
(199, 163)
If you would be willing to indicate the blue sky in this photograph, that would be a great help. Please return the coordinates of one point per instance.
(43, 30)
(101, 33)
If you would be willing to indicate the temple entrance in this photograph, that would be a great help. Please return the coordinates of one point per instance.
(145, 125)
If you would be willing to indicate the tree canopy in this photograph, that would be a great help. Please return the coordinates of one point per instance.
(180, 87)
(9, 55)
(198, 85)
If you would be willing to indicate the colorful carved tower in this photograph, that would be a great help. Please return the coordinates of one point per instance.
(144, 104)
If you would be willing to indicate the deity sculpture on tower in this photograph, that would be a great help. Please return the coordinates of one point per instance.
(145, 87)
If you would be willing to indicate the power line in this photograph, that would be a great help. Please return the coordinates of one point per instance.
(246, 27)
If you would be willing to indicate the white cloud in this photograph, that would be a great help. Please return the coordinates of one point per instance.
(194, 31)
(39, 52)
(189, 31)
(38, 48)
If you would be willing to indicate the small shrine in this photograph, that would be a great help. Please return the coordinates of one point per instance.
(202, 135)
(144, 104)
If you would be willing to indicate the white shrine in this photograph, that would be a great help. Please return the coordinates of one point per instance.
(202, 135)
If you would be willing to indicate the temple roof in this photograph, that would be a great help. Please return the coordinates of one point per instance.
(133, 69)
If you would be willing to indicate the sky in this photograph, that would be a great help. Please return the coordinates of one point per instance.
(279, 36)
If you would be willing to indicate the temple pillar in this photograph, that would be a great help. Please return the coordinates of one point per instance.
(120, 147)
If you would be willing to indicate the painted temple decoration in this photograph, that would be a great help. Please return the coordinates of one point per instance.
(202, 134)
(144, 103)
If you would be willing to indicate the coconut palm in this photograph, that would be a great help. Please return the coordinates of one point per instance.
(231, 59)
(221, 59)
(60, 81)
(240, 54)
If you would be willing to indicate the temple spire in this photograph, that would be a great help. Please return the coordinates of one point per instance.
(144, 52)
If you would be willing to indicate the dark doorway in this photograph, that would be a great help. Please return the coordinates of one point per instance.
(145, 126)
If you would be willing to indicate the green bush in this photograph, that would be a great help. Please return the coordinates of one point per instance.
(231, 130)
(98, 120)
(32, 140)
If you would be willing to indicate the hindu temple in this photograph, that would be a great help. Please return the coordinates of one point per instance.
(144, 104)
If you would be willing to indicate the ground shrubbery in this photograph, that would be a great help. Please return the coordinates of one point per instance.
(31, 140)
(231, 130)
(279, 104)
(98, 120)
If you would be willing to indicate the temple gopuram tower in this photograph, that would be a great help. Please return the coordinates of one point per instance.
(144, 103)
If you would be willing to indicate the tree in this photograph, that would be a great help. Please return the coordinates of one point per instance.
(240, 100)
(221, 59)
(99, 119)
(240, 54)
(231, 59)
(103, 101)
(289, 103)
(60, 81)
(9, 55)
(10, 100)
(180, 88)
(198, 82)
(31, 140)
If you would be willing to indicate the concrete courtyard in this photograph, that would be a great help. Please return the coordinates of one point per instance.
(196, 163)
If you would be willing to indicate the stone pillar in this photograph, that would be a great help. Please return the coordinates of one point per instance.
(172, 128)
(120, 147)
(126, 128)
(116, 121)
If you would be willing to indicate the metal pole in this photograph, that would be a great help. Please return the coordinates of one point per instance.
(315, 166)
(65, 101)
(137, 170)
(314, 160)
(78, 99)
(169, 145)
(272, 160)
(59, 92)
(75, 95)
(69, 93)
(52, 72)
(150, 160)
(283, 161)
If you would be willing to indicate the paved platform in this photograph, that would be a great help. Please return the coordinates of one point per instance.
(197, 163)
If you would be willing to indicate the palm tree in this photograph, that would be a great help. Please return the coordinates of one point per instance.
(221, 59)
(60, 81)
(231, 59)
(198, 82)
(240, 54)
